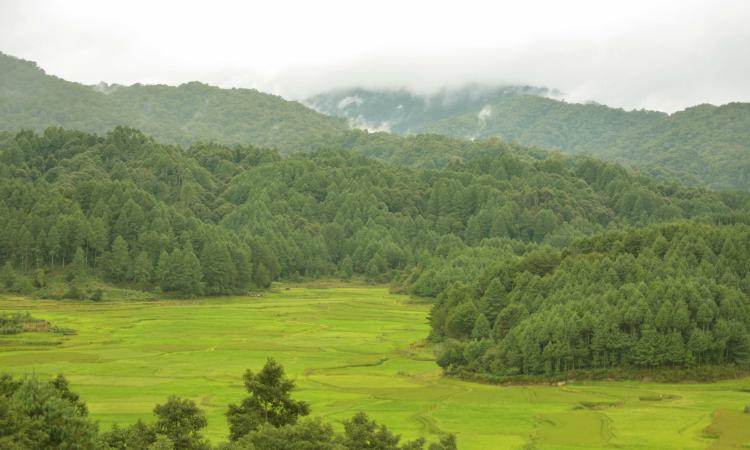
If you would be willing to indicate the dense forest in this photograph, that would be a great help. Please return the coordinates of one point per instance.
(184, 114)
(701, 146)
(37, 414)
(672, 295)
(402, 111)
(212, 219)
(704, 145)
(540, 263)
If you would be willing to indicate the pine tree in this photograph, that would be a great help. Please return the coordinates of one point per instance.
(218, 268)
(269, 402)
(130, 221)
(53, 244)
(495, 299)
(7, 275)
(482, 329)
(120, 259)
(346, 269)
(183, 275)
(78, 265)
(142, 268)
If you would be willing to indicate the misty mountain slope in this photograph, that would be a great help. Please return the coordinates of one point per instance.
(704, 145)
(185, 114)
(401, 111)
(31, 99)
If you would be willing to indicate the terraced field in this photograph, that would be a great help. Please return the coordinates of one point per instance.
(350, 349)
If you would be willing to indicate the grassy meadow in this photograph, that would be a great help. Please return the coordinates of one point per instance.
(350, 349)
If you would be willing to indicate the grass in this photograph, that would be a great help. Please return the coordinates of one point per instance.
(350, 349)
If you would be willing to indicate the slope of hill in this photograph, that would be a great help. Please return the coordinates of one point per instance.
(218, 219)
(401, 111)
(663, 296)
(185, 114)
(703, 146)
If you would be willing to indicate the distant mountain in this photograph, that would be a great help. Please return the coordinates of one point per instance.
(704, 145)
(401, 111)
(191, 112)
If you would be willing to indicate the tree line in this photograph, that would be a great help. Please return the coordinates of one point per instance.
(703, 145)
(672, 296)
(37, 414)
(212, 219)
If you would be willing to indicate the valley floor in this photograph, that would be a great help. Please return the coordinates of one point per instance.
(350, 349)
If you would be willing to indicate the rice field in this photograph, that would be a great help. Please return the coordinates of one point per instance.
(349, 349)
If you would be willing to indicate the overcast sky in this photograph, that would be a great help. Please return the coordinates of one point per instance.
(651, 54)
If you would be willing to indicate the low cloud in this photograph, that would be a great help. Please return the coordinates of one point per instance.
(484, 114)
(654, 54)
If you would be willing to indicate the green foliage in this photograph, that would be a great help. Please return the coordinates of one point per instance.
(362, 433)
(183, 273)
(7, 275)
(35, 414)
(703, 145)
(133, 208)
(661, 296)
(307, 434)
(269, 402)
(180, 420)
(190, 113)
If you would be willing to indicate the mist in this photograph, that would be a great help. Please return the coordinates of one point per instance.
(661, 55)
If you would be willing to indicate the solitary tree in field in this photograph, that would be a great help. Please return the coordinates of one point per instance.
(269, 402)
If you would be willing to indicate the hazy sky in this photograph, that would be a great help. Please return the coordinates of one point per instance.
(652, 54)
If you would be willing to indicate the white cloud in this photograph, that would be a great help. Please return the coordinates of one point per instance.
(350, 100)
(662, 54)
(484, 114)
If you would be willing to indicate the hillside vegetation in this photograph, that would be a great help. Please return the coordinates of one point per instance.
(404, 112)
(541, 263)
(185, 114)
(701, 146)
(498, 240)
(215, 219)
(704, 145)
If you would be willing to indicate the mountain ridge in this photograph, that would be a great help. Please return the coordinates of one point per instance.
(184, 114)
(704, 145)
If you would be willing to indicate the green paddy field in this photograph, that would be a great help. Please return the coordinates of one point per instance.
(350, 349)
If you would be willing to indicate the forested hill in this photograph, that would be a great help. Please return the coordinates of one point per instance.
(401, 111)
(185, 114)
(663, 296)
(703, 145)
(195, 112)
(214, 219)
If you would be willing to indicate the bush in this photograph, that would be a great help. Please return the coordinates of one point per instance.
(40, 280)
(98, 295)
(74, 293)
(23, 286)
